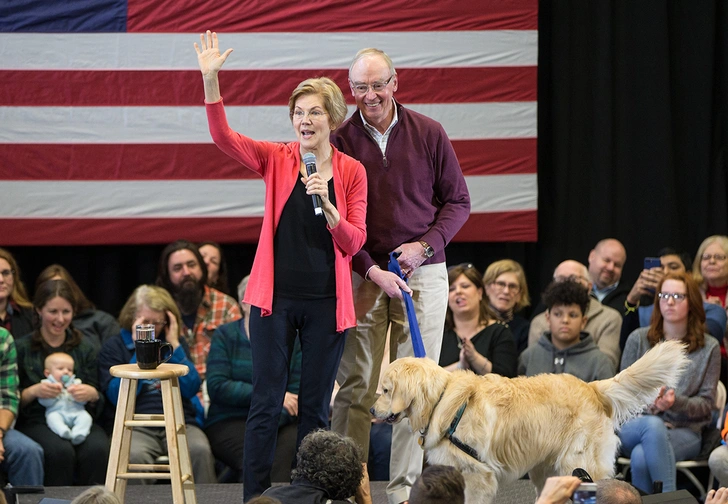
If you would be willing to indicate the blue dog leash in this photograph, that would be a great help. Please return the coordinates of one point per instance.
(417, 344)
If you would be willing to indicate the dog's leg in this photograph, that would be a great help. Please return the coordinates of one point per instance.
(480, 487)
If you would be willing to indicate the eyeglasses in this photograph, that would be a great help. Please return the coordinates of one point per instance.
(314, 115)
(377, 87)
(717, 257)
(7, 273)
(676, 296)
(501, 285)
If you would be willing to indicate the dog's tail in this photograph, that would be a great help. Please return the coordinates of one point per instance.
(630, 391)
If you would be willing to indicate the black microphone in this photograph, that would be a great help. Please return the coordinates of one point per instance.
(309, 159)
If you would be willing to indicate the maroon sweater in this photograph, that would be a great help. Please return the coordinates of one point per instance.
(416, 191)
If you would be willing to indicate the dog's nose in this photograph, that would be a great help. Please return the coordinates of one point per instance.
(371, 410)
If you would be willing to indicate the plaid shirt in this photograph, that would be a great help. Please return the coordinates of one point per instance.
(215, 309)
(9, 397)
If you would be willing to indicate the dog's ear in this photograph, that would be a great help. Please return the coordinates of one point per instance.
(398, 392)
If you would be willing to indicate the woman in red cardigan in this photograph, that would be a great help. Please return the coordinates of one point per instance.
(300, 284)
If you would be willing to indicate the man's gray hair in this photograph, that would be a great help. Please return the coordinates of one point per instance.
(614, 491)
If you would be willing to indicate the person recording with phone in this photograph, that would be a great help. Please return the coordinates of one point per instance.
(640, 301)
(310, 294)
(561, 489)
(154, 306)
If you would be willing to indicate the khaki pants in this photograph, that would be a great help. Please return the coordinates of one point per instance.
(359, 369)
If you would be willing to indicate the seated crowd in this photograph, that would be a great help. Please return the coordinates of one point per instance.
(57, 397)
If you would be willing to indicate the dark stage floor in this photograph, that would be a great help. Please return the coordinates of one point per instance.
(520, 492)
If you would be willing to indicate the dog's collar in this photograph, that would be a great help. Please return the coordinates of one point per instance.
(451, 434)
(423, 432)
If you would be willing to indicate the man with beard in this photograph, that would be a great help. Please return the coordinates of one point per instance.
(183, 273)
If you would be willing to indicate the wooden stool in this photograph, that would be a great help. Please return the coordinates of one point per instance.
(179, 469)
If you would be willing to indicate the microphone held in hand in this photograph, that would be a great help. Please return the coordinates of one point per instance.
(309, 159)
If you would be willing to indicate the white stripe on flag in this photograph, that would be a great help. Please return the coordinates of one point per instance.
(206, 198)
(174, 51)
(143, 125)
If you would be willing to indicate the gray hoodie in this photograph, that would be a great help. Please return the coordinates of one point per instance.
(583, 359)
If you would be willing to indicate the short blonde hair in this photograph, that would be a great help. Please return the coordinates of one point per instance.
(97, 495)
(721, 240)
(333, 98)
(153, 297)
(497, 268)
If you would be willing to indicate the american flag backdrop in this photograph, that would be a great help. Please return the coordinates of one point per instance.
(103, 133)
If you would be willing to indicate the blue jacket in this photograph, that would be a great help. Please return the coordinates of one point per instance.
(120, 350)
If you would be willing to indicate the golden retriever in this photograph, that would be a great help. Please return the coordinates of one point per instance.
(546, 425)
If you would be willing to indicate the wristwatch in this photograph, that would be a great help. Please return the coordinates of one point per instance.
(429, 252)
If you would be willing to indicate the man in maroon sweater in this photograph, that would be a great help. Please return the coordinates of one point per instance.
(417, 201)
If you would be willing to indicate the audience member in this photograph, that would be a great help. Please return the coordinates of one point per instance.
(182, 272)
(65, 415)
(671, 429)
(603, 322)
(614, 491)
(16, 314)
(150, 304)
(640, 300)
(710, 269)
(438, 484)
(300, 284)
(606, 261)
(65, 463)
(507, 292)
(97, 325)
(230, 386)
(20, 457)
(97, 495)
(718, 460)
(559, 489)
(566, 348)
(217, 276)
(328, 470)
(473, 338)
(399, 148)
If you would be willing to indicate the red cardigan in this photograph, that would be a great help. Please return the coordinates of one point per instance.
(279, 164)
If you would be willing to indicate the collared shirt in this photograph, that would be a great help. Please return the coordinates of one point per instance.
(600, 294)
(9, 397)
(381, 138)
(216, 308)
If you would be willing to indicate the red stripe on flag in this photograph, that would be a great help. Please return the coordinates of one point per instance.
(495, 227)
(500, 227)
(128, 231)
(207, 162)
(363, 16)
(496, 157)
(169, 88)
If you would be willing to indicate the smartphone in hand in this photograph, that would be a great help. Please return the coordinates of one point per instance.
(652, 262)
(586, 493)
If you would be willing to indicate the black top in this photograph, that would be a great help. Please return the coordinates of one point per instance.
(304, 249)
(495, 343)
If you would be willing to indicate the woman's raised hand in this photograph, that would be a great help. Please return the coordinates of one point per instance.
(208, 54)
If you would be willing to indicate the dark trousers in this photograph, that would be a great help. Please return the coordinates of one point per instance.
(227, 442)
(271, 343)
(66, 464)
